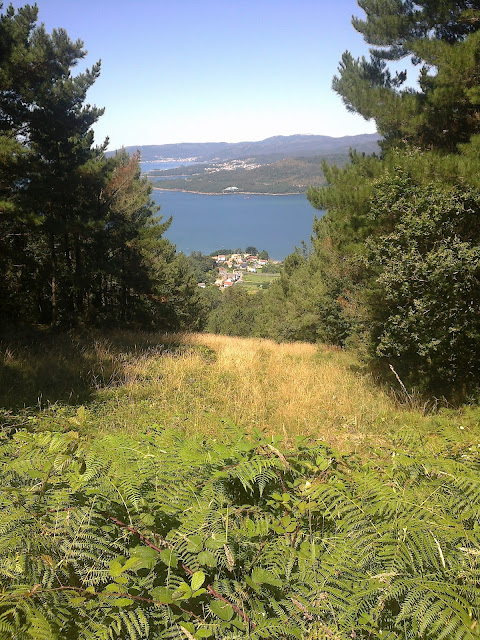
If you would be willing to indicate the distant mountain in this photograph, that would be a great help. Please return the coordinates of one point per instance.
(277, 147)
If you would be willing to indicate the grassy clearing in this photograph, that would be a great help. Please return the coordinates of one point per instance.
(254, 281)
(259, 277)
(201, 383)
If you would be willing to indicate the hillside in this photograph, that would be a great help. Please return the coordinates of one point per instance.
(290, 175)
(215, 487)
(276, 147)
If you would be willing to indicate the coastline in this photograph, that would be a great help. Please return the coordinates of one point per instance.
(237, 193)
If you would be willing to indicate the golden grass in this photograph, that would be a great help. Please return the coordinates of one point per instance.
(289, 389)
(199, 383)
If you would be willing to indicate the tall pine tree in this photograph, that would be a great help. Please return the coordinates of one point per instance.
(46, 143)
(79, 237)
(440, 107)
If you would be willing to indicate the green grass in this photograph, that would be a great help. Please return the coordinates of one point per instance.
(254, 281)
(199, 383)
(259, 277)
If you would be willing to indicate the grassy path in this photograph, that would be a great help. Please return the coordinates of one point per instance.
(203, 383)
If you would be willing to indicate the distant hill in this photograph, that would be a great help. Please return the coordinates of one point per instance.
(277, 147)
(288, 175)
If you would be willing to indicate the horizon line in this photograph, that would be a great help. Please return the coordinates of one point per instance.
(319, 135)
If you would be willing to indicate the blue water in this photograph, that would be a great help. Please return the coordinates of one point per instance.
(210, 222)
(169, 177)
(149, 166)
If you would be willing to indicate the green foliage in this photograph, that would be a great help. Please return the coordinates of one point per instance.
(80, 241)
(424, 301)
(347, 200)
(442, 110)
(271, 267)
(167, 536)
(235, 313)
(399, 263)
(203, 267)
(225, 252)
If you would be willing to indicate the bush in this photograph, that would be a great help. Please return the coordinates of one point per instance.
(424, 300)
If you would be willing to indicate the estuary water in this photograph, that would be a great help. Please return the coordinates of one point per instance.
(161, 165)
(207, 223)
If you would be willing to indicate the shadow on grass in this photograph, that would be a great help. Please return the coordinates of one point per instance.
(43, 367)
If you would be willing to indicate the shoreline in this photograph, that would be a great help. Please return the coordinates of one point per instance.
(237, 193)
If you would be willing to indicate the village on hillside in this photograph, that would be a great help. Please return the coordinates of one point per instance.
(233, 267)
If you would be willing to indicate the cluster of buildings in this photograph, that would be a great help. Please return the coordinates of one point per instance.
(231, 267)
(245, 261)
(226, 279)
(232, 165)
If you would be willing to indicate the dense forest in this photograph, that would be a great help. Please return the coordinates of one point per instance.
(80, 241)
(162, 483)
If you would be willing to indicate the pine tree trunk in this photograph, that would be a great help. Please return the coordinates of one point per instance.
(80, 289)
(53, 264)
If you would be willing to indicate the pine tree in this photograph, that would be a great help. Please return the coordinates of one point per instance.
(442, 38)
(23, 69)
(46, 143)
(62, 141)
(138, 276)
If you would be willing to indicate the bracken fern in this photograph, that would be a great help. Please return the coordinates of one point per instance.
(169, 536)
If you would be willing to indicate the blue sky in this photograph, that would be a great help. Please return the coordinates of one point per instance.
(197, 71)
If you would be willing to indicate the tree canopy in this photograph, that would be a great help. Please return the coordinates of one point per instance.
(438, 109)
(80, 238)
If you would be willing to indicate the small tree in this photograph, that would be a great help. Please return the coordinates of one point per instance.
(235, 315)
(203, 266)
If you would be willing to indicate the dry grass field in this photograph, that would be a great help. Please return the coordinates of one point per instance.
(200, 383)
(212, 381)
(294, 389)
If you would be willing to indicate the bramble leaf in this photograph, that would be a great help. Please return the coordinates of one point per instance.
(198, 579)
(222, 610)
